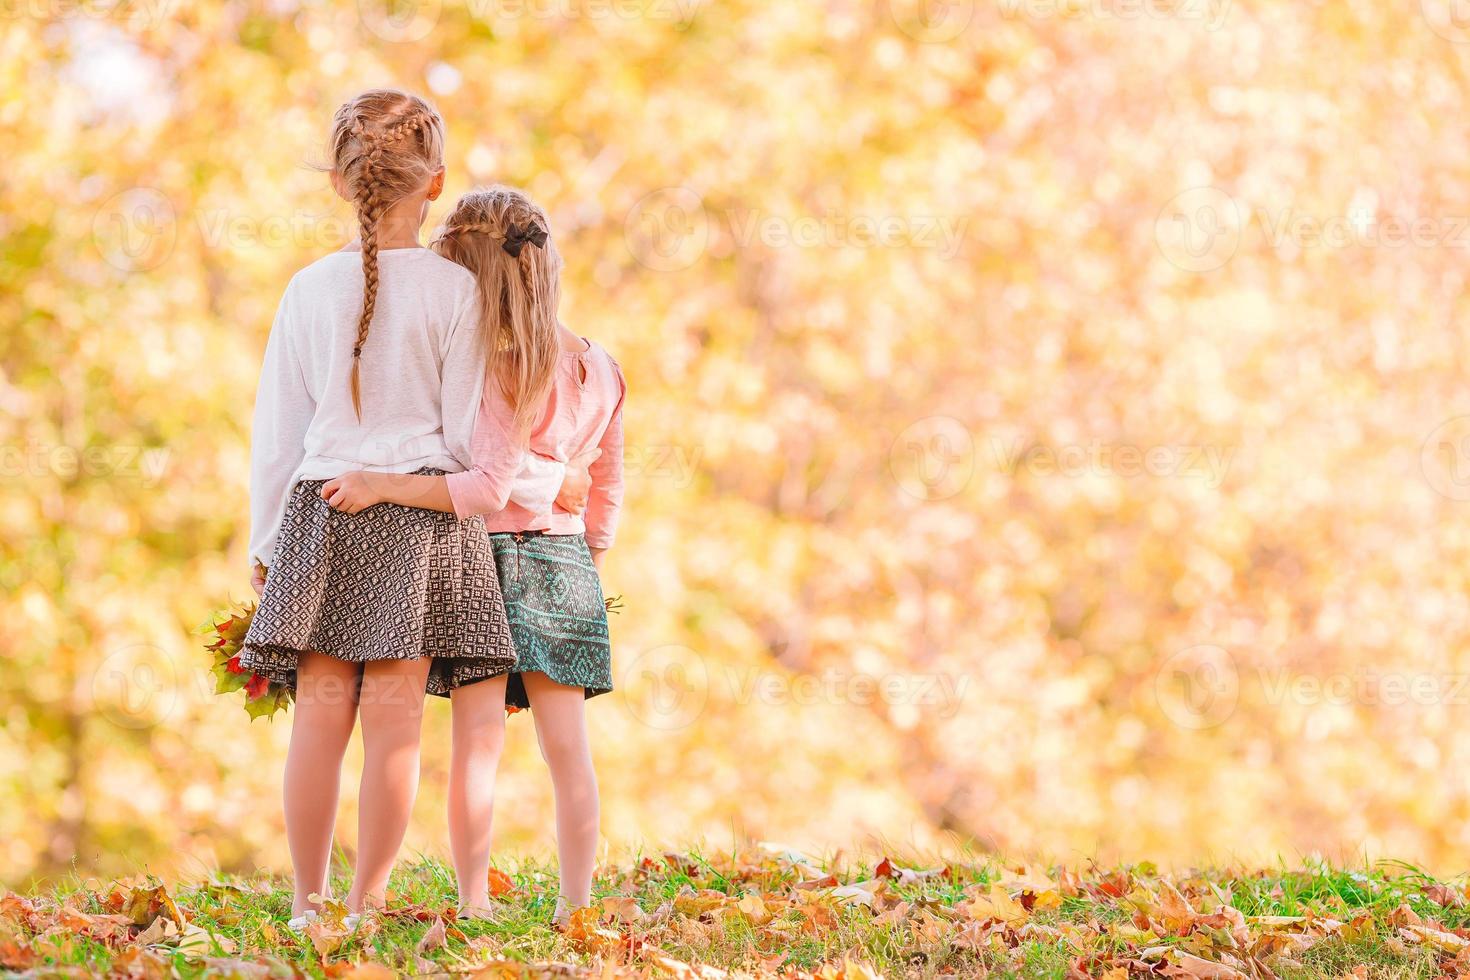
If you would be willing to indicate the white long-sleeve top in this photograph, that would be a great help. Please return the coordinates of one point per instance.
(421, 375)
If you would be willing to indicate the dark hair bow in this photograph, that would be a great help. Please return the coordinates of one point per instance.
(517, 238)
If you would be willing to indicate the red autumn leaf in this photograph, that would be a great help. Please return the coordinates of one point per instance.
(15, 956)
(1445, 896)
(885, 869)
(828, 882)
(233, 665)
(257, 686)
(500, 883)
(17, 909)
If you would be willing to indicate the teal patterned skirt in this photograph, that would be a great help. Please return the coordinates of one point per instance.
(558, 620)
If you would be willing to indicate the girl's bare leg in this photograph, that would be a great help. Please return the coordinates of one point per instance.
(479, 736)
(561, 728)
(321, 726)
(392, 707)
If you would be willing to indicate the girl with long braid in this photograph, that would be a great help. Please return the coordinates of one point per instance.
(561, 396)
(375, 361)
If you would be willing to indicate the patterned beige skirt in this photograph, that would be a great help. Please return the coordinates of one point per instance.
(389, 583)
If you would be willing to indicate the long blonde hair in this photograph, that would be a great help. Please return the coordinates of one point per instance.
(504, 238)
(385, 145)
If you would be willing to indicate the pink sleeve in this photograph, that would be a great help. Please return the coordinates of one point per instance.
(606, 497)
(485, 487)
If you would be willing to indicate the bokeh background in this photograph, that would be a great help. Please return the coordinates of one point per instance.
(1047, 431)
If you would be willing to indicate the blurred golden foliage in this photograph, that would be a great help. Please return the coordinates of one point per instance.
(1047, 422)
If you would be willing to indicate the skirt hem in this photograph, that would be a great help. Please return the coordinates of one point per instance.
(279, 662)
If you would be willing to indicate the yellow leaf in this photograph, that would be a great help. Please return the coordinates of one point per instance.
(1436, 938)
(754, 909)
(697, 903)
(998, 905)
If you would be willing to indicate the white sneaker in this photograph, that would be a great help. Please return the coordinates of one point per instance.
(478, 913)
(300, 922)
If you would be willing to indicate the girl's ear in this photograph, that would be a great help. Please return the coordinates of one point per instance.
(436, 185)
(339, 185)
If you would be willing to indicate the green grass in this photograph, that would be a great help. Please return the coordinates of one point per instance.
(757, 913)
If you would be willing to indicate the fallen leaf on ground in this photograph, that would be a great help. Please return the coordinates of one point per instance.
(997, 905)
(433, 938)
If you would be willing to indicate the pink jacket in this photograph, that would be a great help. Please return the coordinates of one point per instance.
(584, 410)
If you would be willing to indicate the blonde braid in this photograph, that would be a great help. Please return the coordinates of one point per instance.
(370, 208)
(386, 144)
